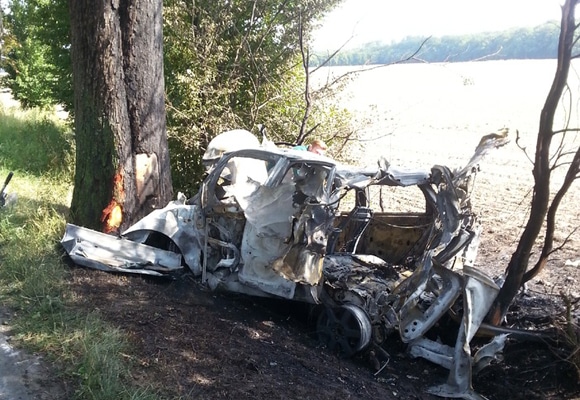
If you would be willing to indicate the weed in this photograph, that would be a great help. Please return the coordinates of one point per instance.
(32, 275)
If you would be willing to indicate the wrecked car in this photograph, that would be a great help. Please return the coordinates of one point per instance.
(294, 225)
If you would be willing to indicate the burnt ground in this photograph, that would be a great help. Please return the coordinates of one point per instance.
(192, 343)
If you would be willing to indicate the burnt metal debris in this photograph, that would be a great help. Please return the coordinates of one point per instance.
(3, 194)
(268, 222)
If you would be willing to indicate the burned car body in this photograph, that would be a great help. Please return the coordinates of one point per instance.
(269, 222)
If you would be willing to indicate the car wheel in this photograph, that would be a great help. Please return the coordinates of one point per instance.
(345, 330)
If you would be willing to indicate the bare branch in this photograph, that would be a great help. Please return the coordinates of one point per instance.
(523, 148)
(489, 55)
(331, 56)
(401, 61)
(309, 131)
(558, 154)
(564, 242)
(566, 130)
(451, 56)
(375, 138)
(547, 249)
(562, 155)
(541, 209)
(575, 42)
(568, 114)
(307, 98)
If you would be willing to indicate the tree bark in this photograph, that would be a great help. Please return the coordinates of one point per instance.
(122, 162)
(519, 261)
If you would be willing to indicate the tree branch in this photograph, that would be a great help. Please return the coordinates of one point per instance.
(307, 99)
(401, 61)
(547, 248)
(524, 149)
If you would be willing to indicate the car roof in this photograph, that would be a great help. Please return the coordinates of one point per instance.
(289, 153)
(351, 176)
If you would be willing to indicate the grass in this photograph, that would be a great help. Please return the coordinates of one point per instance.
(39, 148)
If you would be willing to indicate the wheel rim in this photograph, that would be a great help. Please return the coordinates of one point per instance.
(345, 330)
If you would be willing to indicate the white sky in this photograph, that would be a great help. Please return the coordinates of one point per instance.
(392, 20)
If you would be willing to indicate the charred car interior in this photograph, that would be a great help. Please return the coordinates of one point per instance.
(293, 225)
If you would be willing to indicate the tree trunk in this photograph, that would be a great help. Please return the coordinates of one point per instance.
(122, 161)
(542, 170)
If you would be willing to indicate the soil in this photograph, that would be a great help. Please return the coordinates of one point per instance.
(191, 343)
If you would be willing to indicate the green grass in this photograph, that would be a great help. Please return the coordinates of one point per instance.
(36, 142)
(33, 278)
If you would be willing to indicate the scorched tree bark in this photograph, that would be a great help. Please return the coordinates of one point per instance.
(122, 161)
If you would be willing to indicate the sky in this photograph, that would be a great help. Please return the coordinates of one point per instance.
(363, 21)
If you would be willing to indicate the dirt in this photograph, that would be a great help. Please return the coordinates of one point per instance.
(191, 343)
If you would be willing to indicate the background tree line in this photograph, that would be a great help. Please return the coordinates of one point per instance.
(539, 42)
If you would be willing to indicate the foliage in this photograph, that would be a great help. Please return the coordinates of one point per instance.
(36, 47)
(539, 42)
(227, 65)
(233, 65)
